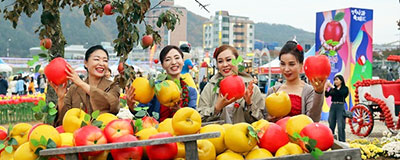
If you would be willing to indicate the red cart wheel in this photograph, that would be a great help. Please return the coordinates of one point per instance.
(362, 122)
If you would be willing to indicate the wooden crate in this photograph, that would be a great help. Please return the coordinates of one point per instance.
(190, 142)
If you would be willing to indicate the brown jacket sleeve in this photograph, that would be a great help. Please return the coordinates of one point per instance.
(312, 103)
(67, 106)
(105, 101)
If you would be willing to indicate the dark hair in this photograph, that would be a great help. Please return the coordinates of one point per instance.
(223, 48)
(92, 49)
(291, 48)
(340, 77)
(165, 51)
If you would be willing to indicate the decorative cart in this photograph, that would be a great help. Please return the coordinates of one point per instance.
(373, 97)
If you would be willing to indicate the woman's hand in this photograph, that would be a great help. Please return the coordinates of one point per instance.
(319, 86)
(222, 102)
(177, 106)
(249, 93)
(60, 90)
(273, 118)
(73, 76)
(130, 94)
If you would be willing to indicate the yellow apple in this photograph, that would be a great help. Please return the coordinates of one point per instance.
(20, 133)
(47, 131)
(238, 139)
(181, 150)
(67, 139)
(206, 150)
(73, 119)
(7, 156)
(259, 153)
(24, 152)
(289, 149)
(219, 141)
(227, 125)
(186, 121)
(296, 123)
(278, 104)
(230, 155)
(106, 118)
(166, 126)
(146, 133)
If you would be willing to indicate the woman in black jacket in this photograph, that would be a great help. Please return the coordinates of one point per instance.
(339, 92)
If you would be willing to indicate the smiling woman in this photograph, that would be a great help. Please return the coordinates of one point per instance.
(94, 93)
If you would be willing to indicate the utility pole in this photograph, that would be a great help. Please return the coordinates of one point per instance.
(8, 47)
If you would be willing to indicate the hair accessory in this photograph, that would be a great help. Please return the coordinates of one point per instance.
(299, 47)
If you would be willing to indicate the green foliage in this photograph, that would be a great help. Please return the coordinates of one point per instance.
(45, 112)
(339, 16)
(253, 133)
(309, 143)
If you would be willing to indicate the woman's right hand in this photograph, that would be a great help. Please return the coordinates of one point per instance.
(222, 102)
(130, 95)
(61, 90)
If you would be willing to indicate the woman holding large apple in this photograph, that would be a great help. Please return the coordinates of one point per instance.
(241, 105)
(171, 58)
(94, 93)
(305, 99)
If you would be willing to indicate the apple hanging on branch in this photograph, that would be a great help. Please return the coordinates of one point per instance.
(46, 43)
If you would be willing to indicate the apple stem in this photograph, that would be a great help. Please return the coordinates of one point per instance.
(274, 90)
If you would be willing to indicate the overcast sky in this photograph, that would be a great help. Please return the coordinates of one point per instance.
(301, 13)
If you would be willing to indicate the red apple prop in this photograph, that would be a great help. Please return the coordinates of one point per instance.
(282, 122)
(3, 135)
(274, 138)
(46, 43)
(317, 67)
(55, 71)
(108, 9)
(89, 135)
(60, 129)
(333, 31)
(162, 151)
(132, 153)
(147, 41)
(233, 86)
(149, 122)
(118, 128)
(319, 132)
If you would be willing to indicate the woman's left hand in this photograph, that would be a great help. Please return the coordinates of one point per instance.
(249, 93)
(73, 76)
(319, 86)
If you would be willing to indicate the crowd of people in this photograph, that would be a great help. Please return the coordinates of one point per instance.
(95, 92)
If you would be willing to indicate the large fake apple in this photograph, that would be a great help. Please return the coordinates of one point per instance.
(186, 121)
(89, 135)
(273, 138)
(73, 120)
(118, 128)
(278, 104)
(108, 9)
(131, 153)
(55, 71)
(319, 132)
(238, 139)
(333, 31)
(147, 41)
(46, 43)
(317, 67)
(149, 122)
(162, 151)
(233, 86)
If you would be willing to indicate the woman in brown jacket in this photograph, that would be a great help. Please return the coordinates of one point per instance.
(94, 93)
(212, 106)
(305, 99)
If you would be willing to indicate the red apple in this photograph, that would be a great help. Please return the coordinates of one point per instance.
(319, 132)
(55, 71)
(147, 41)
(156, 61)
(233, 86)
(162, 151)
(108, 9)
(46, 43)
(149, 122)
(273, 138)
(121, 68)
(89, 135)
(132, 153)
(3, 134)
(118, 128)
(60, 129)
(317, 67)
(333, 31)
(282, 122)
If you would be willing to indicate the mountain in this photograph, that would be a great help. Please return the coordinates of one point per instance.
(104, 29)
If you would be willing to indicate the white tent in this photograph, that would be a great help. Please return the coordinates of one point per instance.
(5, 68)
(274, 64)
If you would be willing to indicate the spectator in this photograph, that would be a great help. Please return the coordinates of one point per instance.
(3, 85)
(20, 85)
(31, 86)
(203, 83)
(13, 84)
(390, 76)
(41, 83)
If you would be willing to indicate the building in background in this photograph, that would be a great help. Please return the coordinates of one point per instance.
(167, 37)
(223, 28)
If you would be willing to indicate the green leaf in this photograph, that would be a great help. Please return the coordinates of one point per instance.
(156, 115)
(9, 149)
(43, 141)
(95, 114)
(332, 53)
(137, 109)
(334, 43)
(51, 144)
(234, 62)
(38, 116)
(151, 82)
(158, 87)
(37, 67)
(165, 84)
(35, 58)
(41, 103)
(239, 59)
(329, 41)
(317, 153)
(31, 63)
(339, 16)
(10, 127)
(296, 135)
(312, 143)
(12, 141)
(138, 124)
(51, 105)
(86, 10)
(83, 124)
(2, 146)
(42, 55)
(161, 77)
(43, 48)
(241, 68)
(145, 108)
(87, 117)
(97, 123)
(305, 139)
(140, 114)
(52, 111)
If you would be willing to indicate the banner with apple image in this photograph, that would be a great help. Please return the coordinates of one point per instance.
(345, 35)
